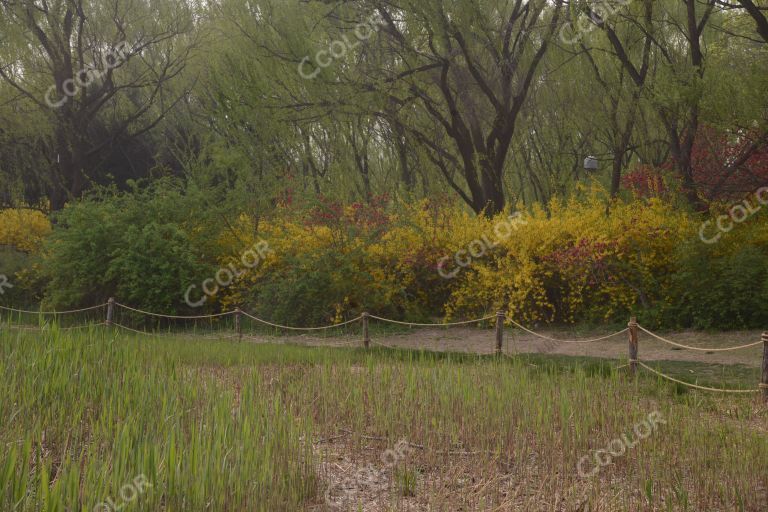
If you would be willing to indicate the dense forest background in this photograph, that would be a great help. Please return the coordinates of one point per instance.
(362, 115)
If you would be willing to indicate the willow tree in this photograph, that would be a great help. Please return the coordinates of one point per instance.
(759, 13)
(680, 38)
(99, 72)
(459, 75)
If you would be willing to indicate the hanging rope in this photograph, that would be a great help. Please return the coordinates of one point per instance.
(52, 312)
(447, 324)
(566, 341)
(175, 317)
(265, 322)
(695, 386)
(700, 349)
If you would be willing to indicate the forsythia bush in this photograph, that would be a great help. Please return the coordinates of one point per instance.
(22, 232)
(569, 263)
(23, 229)
(575, 263)
(335, 261)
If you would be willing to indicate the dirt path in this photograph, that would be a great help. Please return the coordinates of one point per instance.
(515, 341)
(474, 340)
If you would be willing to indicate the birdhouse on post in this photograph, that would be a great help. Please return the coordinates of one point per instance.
(590, 163)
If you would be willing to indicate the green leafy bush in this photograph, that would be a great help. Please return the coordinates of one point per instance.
(716, 289)
(137, 247)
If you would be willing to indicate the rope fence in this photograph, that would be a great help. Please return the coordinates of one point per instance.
(694, 386)
(237, 316)
(701, 349)
(602, 338)
(175, 317)
(71, 311)
(305, 329)
(446, 324)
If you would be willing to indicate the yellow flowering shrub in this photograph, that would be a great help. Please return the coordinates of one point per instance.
(352, 259)
(588, 260)
(21, 235)
(566, 262)
(573, 262)
(22, 229)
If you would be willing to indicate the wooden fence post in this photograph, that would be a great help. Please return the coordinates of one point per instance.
(110, 311)
(238, 324)
(366, 336)
(764, 380)
(633, 348)
(499, 332)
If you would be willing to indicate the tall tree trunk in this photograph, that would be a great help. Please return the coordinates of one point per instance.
(493, 189)
(406, 174)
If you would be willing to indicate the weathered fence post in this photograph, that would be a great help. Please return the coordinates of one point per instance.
(366, 336)
(764, 380)
(633, 349)
(499, 332)
(110, 311)
(238, 324)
